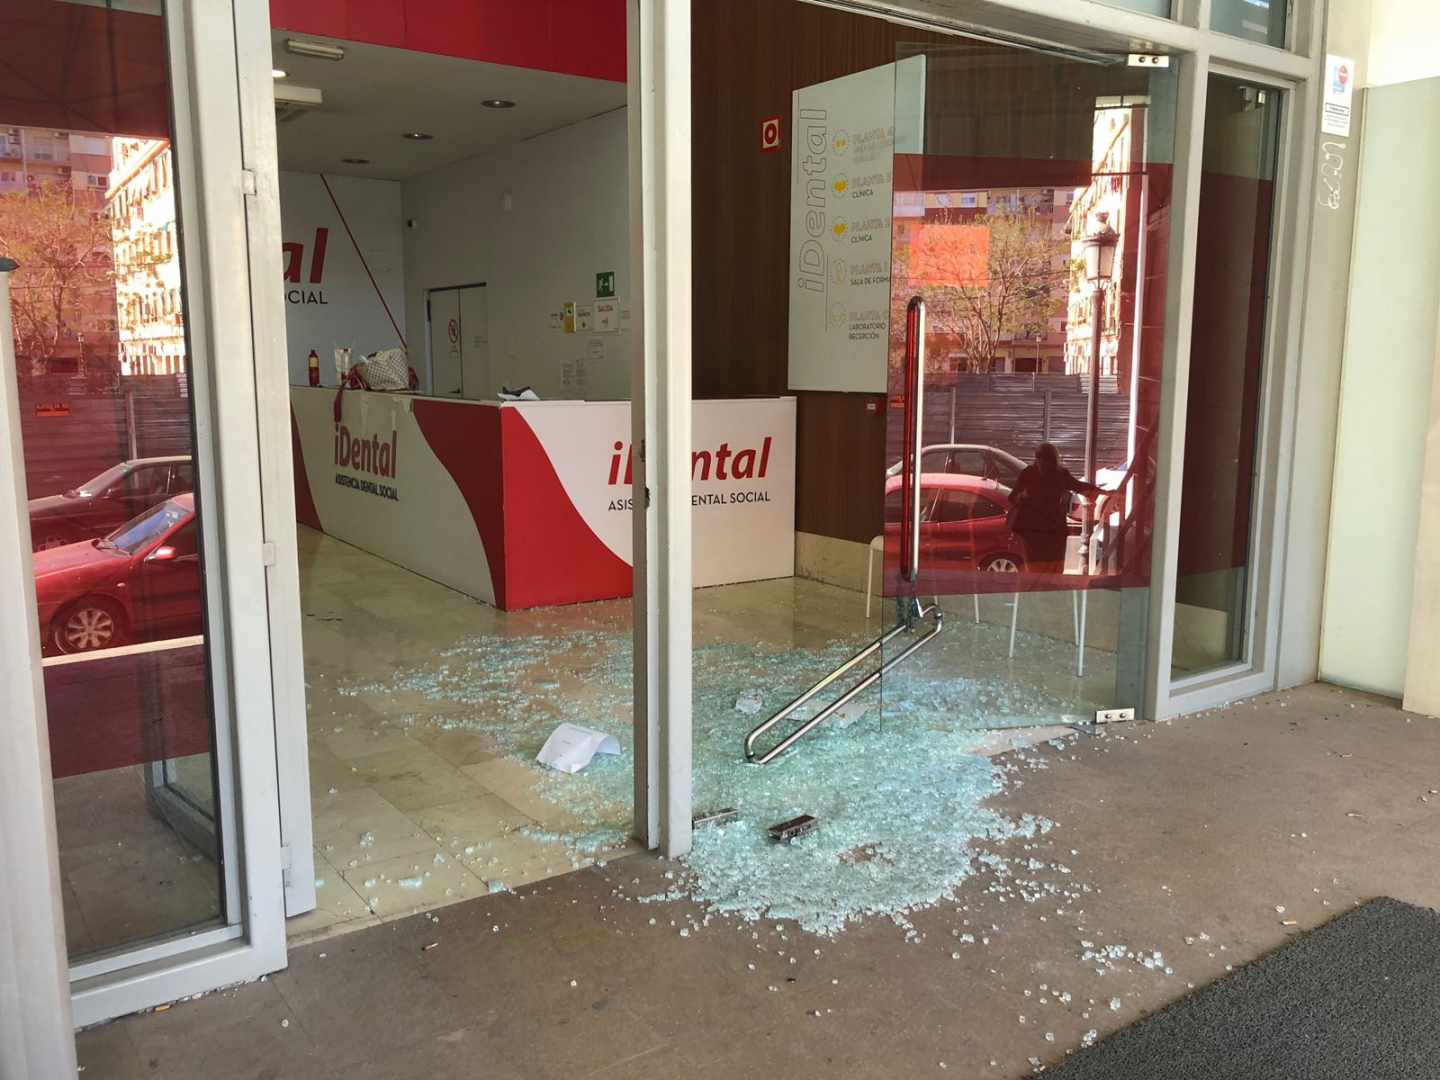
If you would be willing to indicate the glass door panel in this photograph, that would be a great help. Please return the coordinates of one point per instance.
(1030, 222)
(89, 209)
(1214, 578)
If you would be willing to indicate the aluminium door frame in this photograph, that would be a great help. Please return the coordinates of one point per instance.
(1297, 71)
(251, 942)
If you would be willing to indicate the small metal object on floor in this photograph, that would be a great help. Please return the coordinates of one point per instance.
(794, 828)
(714, 817)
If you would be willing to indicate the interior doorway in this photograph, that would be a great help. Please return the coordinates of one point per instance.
(458, 606)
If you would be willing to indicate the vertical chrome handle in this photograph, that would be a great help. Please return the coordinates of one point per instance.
(914, 428)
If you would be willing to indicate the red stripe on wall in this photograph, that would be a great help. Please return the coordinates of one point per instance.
(305, 510)
(552, 554)
(113, 711)
(569, 37)
(467, 443)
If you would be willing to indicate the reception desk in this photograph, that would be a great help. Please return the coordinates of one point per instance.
(524, 504)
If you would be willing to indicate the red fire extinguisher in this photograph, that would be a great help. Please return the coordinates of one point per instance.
(314, 368)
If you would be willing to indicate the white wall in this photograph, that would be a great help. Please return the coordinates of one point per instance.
(566, 221)
(342, 308)
(1384, 391)
(1404, 41)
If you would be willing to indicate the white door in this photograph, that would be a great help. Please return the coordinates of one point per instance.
(475, 344)
(446, 370)
(160, 702)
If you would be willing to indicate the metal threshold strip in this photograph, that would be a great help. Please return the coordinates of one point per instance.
(865, 683)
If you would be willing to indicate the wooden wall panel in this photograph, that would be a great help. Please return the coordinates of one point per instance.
(839, 466)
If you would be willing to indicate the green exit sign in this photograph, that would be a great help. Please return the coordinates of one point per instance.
(605, 284)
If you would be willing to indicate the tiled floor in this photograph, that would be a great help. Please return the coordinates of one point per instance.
(412, 813)
(409, 815)
(1188, 837)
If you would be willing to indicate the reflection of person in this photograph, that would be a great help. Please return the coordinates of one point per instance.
(1040, 509)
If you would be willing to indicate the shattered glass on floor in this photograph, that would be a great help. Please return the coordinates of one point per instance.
(901, 793)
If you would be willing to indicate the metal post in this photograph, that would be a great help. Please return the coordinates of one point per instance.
(1092, 414)
(660, 200)
(36, 1022)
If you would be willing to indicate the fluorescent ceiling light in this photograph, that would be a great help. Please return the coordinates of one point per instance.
(319, 50)
(498, 103)
(278, 73)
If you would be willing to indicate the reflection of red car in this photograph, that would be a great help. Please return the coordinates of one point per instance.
(140, 581)
(963, 523)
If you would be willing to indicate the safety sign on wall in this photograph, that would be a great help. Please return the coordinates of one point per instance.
(1339, 95)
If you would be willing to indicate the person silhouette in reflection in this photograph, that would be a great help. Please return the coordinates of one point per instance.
(1040, 509)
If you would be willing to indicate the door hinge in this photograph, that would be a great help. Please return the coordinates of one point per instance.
(268, 554)
(249, 185)
(287, 861)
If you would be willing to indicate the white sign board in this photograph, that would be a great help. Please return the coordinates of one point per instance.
(1339, 95)
(846, 133)
(742, 479)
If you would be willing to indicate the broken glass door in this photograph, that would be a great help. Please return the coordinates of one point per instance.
(1029, 219)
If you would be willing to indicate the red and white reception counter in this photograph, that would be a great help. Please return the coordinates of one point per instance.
(523, 504)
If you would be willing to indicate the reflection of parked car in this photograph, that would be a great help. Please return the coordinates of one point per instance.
(971, 459)
(963, 523)
(141, 580)
(100, 505)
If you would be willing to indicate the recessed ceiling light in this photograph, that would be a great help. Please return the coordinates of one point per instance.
(319, 50)
(278, 73)
(497, 103)
(419, 136)
(356, 160)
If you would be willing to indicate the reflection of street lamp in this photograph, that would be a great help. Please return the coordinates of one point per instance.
(1100, 247)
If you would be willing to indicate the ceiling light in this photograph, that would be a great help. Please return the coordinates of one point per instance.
(319, 50)
(355, 160)
(419, 136)
(497, 103)
(278, 73)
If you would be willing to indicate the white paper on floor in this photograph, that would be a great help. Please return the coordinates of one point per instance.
(570, 747)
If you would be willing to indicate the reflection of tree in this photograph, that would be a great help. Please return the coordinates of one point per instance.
(64, 250)
(989, 281)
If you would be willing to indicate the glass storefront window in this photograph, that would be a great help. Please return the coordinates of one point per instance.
(117, 510)
(1232, 273)
(1258, 20)
(1145, 7)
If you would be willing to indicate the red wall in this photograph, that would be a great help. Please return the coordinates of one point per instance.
(571, 37)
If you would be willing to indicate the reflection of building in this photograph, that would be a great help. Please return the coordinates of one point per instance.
(34, 158)
(1115, 192)
(969, 263)
(147, 266)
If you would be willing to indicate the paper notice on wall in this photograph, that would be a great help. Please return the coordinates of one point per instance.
(846, 133)
(607, 316)
(1339, 95)
(574, 377)
(584, 318)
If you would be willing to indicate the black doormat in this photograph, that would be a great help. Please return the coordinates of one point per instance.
(1356, 999)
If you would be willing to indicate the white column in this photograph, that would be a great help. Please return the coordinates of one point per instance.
(35, 1023)
(659, 105)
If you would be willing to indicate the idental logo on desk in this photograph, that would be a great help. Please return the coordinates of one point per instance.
(366, 455)
(723, 463)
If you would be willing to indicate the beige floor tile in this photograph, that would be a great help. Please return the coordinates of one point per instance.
(402, 886)
(361, 826)
(335, 902)
(457, 747)
(472, 821)
(516, 859)
(515, 782)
